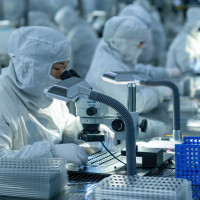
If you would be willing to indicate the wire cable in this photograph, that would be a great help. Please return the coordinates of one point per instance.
(112, 154)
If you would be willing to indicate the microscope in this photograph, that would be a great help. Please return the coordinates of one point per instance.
(93, 113)
(73, 88)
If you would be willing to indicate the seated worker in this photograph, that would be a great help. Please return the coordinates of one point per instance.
(146, 57)
(184, 52)
(123, 38)
(31, 124)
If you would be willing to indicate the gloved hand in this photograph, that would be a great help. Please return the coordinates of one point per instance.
(164, 93)
(173, 72)
(72, 153)
(109, 137)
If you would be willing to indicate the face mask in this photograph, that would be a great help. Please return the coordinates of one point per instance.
(128, 49)
(53, 81)
(137, 54)
(132, 56)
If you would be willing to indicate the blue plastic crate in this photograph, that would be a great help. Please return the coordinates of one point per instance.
(191, 140)
(195, 192)
(187, 158)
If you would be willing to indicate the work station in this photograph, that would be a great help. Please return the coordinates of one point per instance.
(99, 99)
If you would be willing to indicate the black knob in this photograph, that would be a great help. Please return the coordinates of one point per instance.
(143, 125)
(91, 111)
(117, 125)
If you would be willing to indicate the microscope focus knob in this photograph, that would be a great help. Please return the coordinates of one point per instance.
(91, 111)
(143, 125)
(117, 125)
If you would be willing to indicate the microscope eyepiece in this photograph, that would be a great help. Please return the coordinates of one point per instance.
(68, 74)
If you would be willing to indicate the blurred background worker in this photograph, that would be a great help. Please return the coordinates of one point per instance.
(147, 55)
(82, 37)
(184, 51)
(119, 49)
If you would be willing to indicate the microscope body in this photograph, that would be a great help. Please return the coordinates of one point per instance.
(92, 114)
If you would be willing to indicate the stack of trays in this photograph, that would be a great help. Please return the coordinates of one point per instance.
(32, 178)
(142, 188)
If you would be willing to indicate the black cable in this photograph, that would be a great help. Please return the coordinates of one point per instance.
(112, 153)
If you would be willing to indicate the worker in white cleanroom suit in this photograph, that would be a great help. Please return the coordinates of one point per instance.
(82, 37)
(118, 50)
(146, 60)
(147, 56)
(184, 52)
(31, 124)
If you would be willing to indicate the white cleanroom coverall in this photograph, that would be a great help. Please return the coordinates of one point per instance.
(32, 125)
(118, 51)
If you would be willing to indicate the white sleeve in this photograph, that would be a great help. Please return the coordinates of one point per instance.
(39, 149)
(151, 71)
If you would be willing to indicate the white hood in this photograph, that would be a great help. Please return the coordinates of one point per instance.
(137, 11)
(33, 52)
(123, 34)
